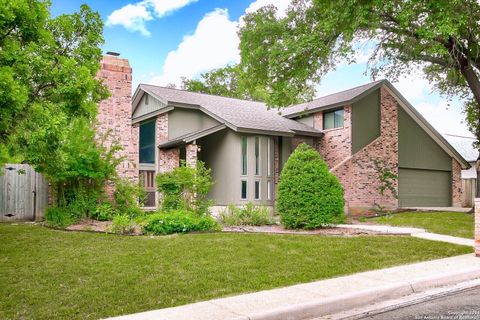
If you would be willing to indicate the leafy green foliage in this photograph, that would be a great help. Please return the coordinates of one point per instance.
(386, 177)
(185, 188)
(59, 217)
(122, 224)
(179, 221)
(227, 82)
(287, 54)
(309, 196)
(104, 212)
(248, 215)
(129, 196)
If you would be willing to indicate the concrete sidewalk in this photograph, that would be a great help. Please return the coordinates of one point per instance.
(414, 232)
(325, 297)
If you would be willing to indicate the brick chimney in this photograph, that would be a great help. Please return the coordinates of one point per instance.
(114, 113)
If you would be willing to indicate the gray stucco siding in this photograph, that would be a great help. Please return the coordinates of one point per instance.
(222, 153)
(182, 121)
(365, 121)
(307, 119)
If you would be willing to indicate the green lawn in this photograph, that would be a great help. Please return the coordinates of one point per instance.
(451, 223)
(51, 274)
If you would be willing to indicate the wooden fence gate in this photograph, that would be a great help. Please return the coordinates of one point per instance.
(23, 193)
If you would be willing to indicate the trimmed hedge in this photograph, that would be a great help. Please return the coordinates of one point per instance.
(179, 221)
(309, 196)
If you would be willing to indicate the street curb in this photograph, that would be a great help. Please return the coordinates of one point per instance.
(316, 299)
(333, 305)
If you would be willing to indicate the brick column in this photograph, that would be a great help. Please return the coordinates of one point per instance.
(191, 152)
(477, 227)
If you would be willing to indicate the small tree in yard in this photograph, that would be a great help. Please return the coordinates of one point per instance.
(309, 196)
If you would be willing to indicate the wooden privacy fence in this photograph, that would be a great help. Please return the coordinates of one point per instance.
(468, 192)
(23, 193)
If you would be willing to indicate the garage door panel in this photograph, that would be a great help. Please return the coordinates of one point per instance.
(424, 188)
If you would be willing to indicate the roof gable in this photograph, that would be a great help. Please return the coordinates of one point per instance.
(239, 115)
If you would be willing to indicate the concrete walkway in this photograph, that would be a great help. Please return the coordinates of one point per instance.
(414, 232)
(325, 297)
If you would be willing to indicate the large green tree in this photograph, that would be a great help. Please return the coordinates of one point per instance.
(49, 96)
(47, 75)
(227, 82)
(285, 55)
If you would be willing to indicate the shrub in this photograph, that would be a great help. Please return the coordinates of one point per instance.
(122, 224)
(104, 212)
(185, 188)
(129, 196)
(59, 217)
(249, 215)
(179, 221)
(309, 196)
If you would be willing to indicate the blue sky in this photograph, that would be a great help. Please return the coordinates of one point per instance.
(167, 39)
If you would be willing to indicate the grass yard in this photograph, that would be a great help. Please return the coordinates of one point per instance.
(456, 224)
(51, 274)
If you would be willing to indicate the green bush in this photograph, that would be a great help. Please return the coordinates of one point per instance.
(104, 212)
(309, 196)
(129, 196)
(59, 217)
(249, 215)
(185, 188)
(179, 221)
(122, 224)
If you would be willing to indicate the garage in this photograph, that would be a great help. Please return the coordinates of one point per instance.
(424, 188)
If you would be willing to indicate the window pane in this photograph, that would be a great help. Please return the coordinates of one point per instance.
(269, 190)
(257, 190)
(328, 120)
(269, 156)
(244, 189)
(147, 142)
(244, 155)
(257, 155)
(339, 118)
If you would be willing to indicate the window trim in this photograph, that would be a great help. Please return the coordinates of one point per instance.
(332, 111)
(269, 190)
(152, 145)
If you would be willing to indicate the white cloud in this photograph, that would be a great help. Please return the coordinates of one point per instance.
(213, 44)
(444, 116)
(134, 16)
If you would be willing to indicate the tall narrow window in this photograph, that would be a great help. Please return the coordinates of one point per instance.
(244, 155)
(244, 190)
(257, 156)
(146, 99)
(147, 142)
(257, 190)
(269, 157)
(333, 119)
(269, 190)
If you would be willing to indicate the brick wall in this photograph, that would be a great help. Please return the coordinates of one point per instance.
(114, 113)
(477, 227)
(357, 172)
(456, 183)
(336, 144)
(191, 155)
(167, 159)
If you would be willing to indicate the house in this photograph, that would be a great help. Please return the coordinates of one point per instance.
(464, 146)
(246, 144)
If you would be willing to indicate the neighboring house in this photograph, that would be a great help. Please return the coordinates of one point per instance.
(464, 146)
(246, 144)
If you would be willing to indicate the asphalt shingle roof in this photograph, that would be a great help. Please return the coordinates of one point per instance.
(242, 114)
(464, 146)
(339, 98)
